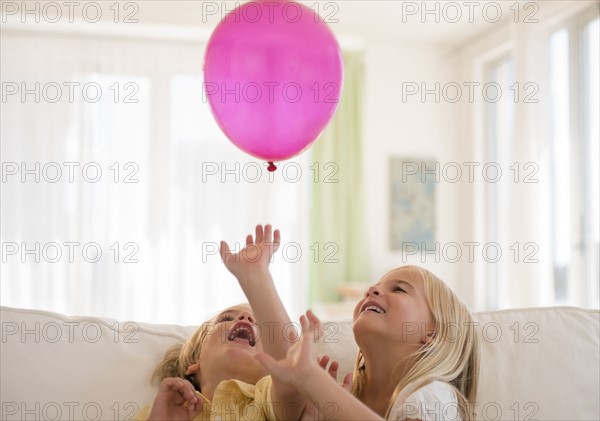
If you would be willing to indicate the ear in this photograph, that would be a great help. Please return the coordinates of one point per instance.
(192, 369)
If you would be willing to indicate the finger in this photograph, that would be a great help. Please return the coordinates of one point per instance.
(167, 383)
(304, 324)
(333, 370)
(259, 234)
(276, 240)
(315, 324)
(190, 392)
(268, 233)
(323, 361)
(249, 239)
(306, 346)
(185, 389)
(347, 383)
(312, 317)
(195, 409)
(224, 250)
(173, 383)
(307, 330)
(177, 389)
(292, 335)
(194, 405)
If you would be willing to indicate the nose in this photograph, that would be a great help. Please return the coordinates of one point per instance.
(374, 290)
(245, 315)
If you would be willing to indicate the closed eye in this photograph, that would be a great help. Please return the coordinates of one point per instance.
(397, 288)
(225, 319)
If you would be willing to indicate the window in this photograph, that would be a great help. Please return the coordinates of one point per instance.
(188, 186)
(574, 75)
(500, 138)
(560, 121)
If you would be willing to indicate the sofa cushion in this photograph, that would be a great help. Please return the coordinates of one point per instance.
(539, 363)
(59, 367)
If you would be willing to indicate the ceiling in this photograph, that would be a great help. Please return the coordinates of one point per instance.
(381, 21)
(370, 20)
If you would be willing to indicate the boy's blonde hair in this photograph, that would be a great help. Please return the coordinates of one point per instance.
(448, 357)
(179, 357)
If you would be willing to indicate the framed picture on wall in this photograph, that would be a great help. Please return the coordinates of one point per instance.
(412, 203)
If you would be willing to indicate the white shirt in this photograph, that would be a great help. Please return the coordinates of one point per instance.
(433, 402)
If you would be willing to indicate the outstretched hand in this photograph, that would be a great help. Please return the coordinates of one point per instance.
(176, 400)
(256, 254)
(301, 370)
(294, 368)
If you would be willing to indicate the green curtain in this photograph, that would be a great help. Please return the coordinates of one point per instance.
(338, 229)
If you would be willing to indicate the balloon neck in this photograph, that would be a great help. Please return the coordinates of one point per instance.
(271, 167)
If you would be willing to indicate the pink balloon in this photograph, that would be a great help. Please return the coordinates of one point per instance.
(273, 75)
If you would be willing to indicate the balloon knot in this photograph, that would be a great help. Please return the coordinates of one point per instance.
(271, 167)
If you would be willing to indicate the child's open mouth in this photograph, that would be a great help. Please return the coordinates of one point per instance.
(372, 306)
(242, 332)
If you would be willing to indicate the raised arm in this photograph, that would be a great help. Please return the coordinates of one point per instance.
(251, 268)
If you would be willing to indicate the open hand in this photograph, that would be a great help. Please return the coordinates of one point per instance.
(176, 400)
(255, 256)
(293, 369)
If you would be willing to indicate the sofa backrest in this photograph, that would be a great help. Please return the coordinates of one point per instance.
(541, 363)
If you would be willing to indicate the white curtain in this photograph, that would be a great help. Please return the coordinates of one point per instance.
(162, 201)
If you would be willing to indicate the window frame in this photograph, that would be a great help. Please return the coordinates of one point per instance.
(582, 289)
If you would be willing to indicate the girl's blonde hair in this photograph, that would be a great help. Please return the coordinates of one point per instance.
(179, 357)
(452, 356)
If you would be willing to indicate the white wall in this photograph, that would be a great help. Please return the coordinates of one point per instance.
(410, 129)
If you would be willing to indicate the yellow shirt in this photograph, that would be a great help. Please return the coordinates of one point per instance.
(233, 400)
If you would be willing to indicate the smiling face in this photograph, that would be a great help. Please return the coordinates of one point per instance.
(229, 347)
(394, 311)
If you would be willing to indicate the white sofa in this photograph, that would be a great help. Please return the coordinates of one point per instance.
(537, 364)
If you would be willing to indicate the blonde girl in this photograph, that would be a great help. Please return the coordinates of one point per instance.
(418, 358)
